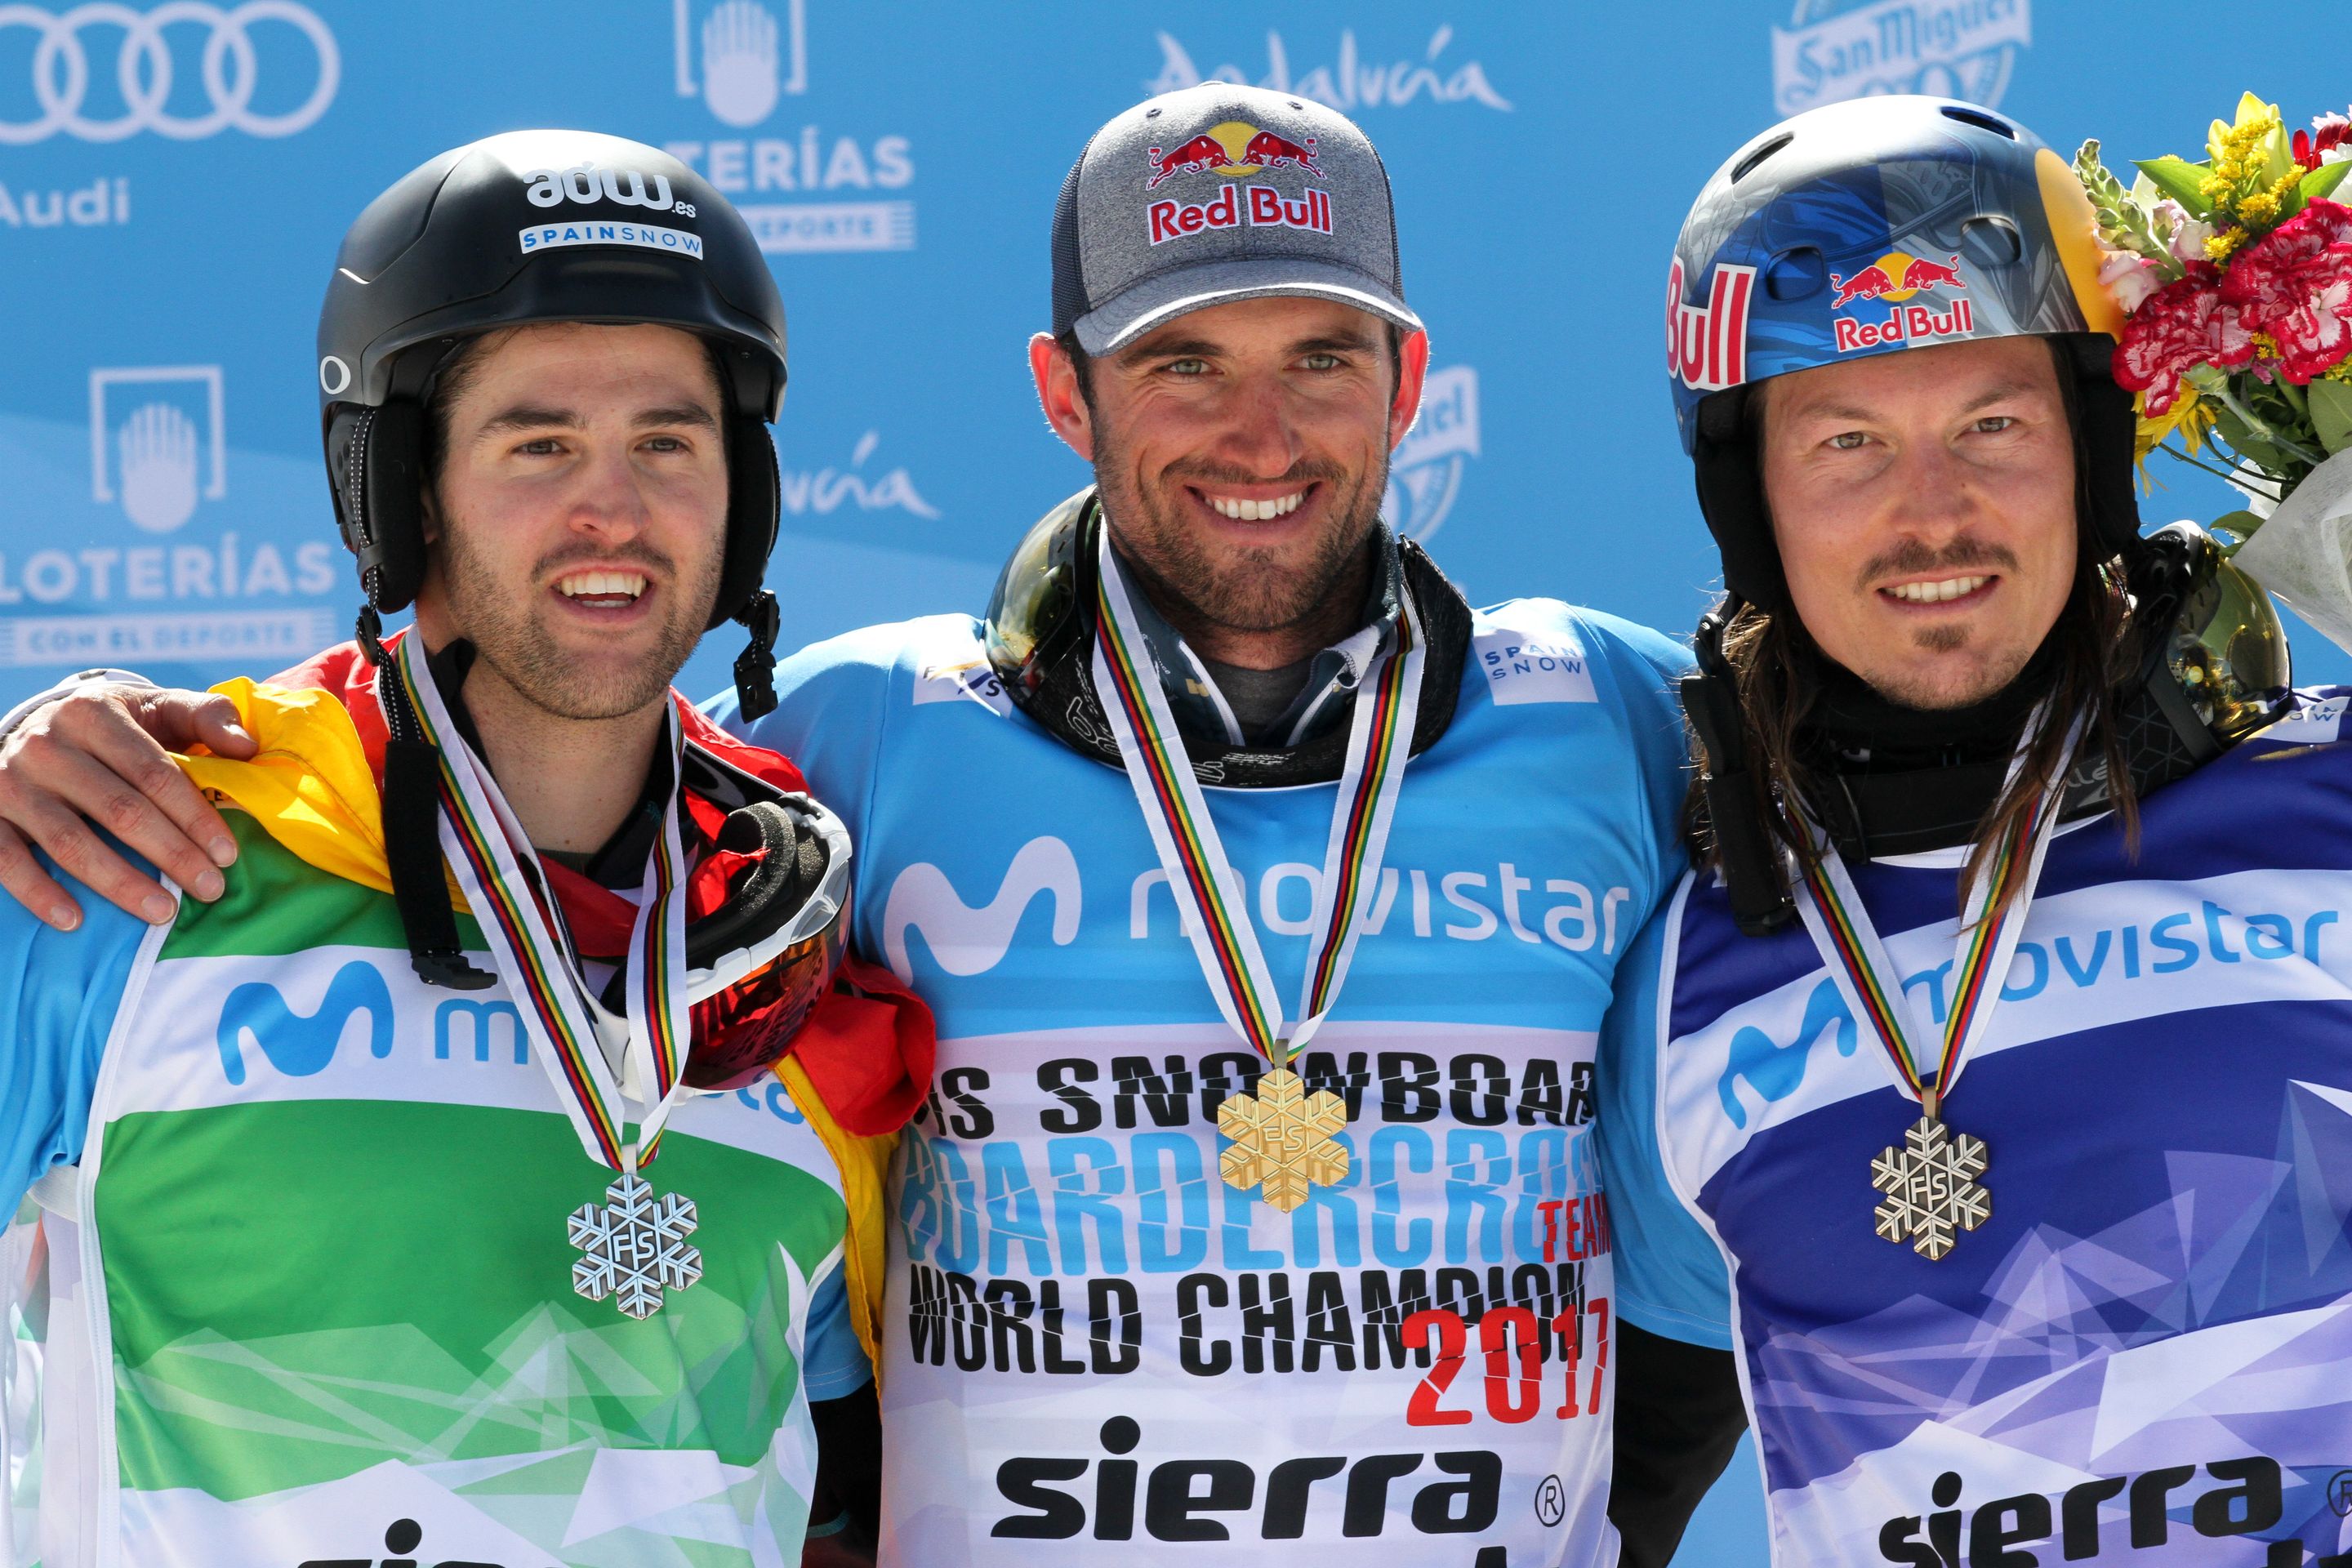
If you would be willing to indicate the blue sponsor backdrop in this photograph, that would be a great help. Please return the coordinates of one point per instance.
(174, 177)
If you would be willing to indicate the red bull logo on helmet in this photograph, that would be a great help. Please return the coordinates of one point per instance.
(1706, 345)
(1895, 279)
(1235, 150)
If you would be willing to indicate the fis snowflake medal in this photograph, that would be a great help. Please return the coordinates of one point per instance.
(634, 1246)
(1282, 1141)
(1931, 1188)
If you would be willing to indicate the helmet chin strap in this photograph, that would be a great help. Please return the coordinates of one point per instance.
(411, 828)
(755, 666)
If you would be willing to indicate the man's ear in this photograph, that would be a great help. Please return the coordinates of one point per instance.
(1059, 396)
(1412, 370)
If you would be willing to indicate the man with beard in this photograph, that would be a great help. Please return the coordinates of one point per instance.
(544, 1262)
(1269, 898)
(1985, 1088)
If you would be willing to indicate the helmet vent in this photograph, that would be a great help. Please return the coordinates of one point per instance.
(1980, 120)
(1990, 241)
(1746, 166)
(1798, 273)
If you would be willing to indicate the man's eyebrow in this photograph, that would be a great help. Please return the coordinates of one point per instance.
(1828, 410)
(1336, 342)
(692, 414)
(1202, 348)
(528, 416)
(1170, 348)
(1997, 393)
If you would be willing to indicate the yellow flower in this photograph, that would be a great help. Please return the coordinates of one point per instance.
(2191, 417)
(2252, 153)
(2218, 248)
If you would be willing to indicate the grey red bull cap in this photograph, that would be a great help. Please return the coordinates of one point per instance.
(1216, 193)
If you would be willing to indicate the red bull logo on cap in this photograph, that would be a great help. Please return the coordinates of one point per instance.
(1235, 149)
(1895, 278)
(1706, 345)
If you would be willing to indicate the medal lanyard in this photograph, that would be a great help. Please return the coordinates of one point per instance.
(565, 1025)
(1212, 899)
(1991, 921)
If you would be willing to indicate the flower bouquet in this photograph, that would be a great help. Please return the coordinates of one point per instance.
(2235, 277)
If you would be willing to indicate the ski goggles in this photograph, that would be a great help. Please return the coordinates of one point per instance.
(759, 964)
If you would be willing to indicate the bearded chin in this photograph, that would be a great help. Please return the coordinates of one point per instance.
(509, 638)
(1248, 590)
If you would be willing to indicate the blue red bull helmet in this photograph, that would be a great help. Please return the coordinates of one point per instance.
(1870, 228)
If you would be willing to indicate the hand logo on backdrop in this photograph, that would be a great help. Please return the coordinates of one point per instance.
(159, 449)
(748, 58)
(738, 62)
(158, 468)
(145, 65)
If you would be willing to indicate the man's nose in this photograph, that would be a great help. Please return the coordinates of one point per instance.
(1936, 495)
(607, 501)
(1260, 429)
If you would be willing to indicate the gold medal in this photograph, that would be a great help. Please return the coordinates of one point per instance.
(1282, 1138)
(1282, 1141)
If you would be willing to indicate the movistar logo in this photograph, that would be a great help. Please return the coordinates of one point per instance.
(967, 941)
(301, 1044)
(1774, 1071)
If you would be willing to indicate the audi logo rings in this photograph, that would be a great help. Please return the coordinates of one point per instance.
(143, 70)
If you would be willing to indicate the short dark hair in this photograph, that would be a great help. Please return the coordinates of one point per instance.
(1082, 363)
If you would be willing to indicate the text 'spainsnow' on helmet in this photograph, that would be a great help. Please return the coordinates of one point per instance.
(1869, 227)
(536, 226)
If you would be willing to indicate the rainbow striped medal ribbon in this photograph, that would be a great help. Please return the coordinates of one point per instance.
(634, 1244)
(1928, 1184)
(1281, 1137)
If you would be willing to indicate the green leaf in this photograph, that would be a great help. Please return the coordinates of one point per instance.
(2240, 523)
(2179, 179)
(2323, 180)
(2331, 413)
(2313, 184)
(2246, 442)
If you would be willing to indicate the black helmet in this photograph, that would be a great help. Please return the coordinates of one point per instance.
(538, 226)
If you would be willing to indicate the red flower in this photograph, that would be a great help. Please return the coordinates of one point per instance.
(2334, 130)
(2295, 284)
(2181, 326)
